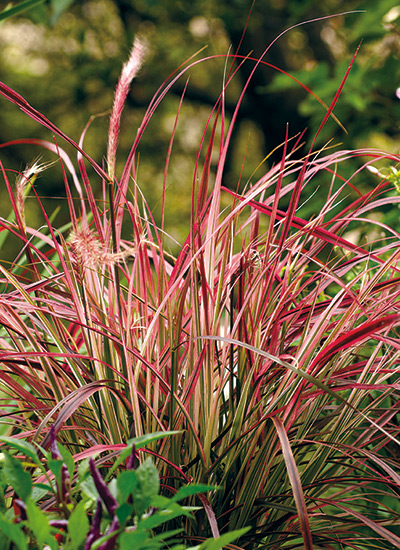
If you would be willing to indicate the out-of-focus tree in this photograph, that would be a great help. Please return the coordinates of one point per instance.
(65, 57)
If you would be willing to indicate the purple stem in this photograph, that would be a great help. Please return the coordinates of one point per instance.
(104, 492)
(94, 532)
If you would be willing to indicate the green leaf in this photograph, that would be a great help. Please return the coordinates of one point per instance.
(165, 535)
(223, 540)
(55, 466)
(39, 525)
(89, 489)
(16, 476)
(148, 485)
(24, 447)
(127, 483)
(143, 440)
(190, 490)
(140, 539)
(13, 531)
(133, 539)
(174, 510)
(99, 542)
(67, 458)
(39, 490)
(83, 469)
(22, 6)
(78, 527)
(123, 512)
(3, 488)
(58, 8)
(139, 442)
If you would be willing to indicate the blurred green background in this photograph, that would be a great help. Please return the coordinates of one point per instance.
(65, 57)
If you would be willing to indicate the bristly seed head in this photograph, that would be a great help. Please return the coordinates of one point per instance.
(31, 171)
(129, 71)
(90, 251)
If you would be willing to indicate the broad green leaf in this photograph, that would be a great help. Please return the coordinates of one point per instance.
(99, 542)
(83, 469)
(58, 8)
(190, 490)
(133, 539)
(223, 540)
(123, 512)
(148, 485)
(16, 476)
(161, 537)
(89, 489)
(112, 487)
(139, 442)
(67, 458)
(163, 515)
(55, 466)
(39, 525)
(26, 448)
(127, 483)
(78, 527)
(141, 539)
(3, 488)
(13, 531)
(39, 490)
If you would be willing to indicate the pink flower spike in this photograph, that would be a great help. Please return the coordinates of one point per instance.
(129, 71)
(398, 93)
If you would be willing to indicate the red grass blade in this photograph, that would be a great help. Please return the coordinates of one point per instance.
(350, 338)
(382, 531)
(26, 108)
(295, 482)
(299, 223)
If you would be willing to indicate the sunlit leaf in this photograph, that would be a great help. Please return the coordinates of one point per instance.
(39, 524)
(78, 526)
(14, 532)
(16, 476)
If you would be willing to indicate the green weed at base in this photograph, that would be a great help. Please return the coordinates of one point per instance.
(52, 503)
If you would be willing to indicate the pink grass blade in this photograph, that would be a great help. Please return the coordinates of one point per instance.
(53, 148)
(299, 223)
(26, 108)
(295, 482)
(336, 97)
(68, 406)
(350, 338)
(210, 515)
(382, 531)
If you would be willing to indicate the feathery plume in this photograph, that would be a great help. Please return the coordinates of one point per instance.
(27, 176)
(129, 71)
(90, 251)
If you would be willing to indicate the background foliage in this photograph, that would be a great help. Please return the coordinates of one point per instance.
(65, 57)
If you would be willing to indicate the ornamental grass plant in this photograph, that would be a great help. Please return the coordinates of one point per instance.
(269, 342)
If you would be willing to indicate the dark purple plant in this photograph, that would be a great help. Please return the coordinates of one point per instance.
(104, 492)
(64, 486)
(94, 532)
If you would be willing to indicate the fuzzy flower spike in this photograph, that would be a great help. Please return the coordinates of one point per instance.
(129, 71)
(23, 180)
